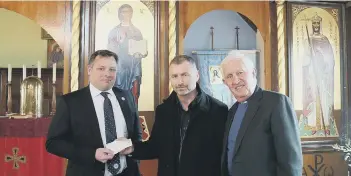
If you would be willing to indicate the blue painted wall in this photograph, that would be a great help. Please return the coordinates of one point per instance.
(224, 22)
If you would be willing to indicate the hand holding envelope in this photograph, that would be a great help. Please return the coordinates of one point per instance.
(120, 145)
(103, 154)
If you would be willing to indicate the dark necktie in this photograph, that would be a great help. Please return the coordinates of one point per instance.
(113, 165)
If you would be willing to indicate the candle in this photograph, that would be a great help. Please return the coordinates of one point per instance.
(39, 70)
(54, 73)
(9, 73)
(24, 72)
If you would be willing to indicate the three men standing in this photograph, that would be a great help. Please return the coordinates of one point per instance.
(193, 133)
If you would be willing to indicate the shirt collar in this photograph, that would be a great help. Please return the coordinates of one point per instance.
(96, 92)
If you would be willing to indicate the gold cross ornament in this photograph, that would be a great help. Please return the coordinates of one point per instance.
(15, 158)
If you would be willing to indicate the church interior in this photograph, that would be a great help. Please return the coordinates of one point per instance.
(58, 37)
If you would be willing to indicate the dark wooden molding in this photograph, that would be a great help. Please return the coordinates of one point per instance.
(87, 44)
(274, 46)
(3, 87)
(347, 42)
(66, 86)
(164, 60)
(157, 53)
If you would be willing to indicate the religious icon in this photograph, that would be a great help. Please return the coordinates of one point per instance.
(217, 88)
(318, 84)
(215, 75)
(55, 54)
(128, 30)
(129, 68)
(315, 59)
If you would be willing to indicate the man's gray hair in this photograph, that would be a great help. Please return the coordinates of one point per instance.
(237, 55)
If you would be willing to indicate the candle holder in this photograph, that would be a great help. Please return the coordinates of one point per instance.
(9, 99)
(53, 100)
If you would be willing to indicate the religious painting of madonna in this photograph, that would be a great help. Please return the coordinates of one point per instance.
(128, 29)
(316, 69)
(54, 54)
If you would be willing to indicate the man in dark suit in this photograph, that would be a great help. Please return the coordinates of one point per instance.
(87, 119)
(189, 125)
(261, 135)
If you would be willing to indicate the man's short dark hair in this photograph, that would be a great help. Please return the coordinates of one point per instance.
(102, 53)
(182, 58)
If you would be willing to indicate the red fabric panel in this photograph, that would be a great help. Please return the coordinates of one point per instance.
(24, 140)
(37, 162)
(24, 127)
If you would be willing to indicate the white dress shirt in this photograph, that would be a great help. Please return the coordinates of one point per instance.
(121, 127)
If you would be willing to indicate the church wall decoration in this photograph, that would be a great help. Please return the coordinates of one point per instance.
(144, 128)
(211, 78)
(208, 60)
(54, 54)
(316, 69)
(130, 29)
(45, 35)
(133, 30)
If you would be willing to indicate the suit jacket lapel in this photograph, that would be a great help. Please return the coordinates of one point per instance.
(90, 115)
(122, 100)
(253, 105)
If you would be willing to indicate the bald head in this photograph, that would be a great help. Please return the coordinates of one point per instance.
(239, 74)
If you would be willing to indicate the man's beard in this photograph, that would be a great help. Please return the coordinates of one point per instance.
(182, 90)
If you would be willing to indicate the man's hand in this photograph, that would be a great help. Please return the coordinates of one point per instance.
(103, 154)
(127, 151)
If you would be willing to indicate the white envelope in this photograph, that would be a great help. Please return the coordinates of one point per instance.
(119, 144)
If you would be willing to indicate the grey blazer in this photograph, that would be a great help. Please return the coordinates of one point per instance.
(268, 142)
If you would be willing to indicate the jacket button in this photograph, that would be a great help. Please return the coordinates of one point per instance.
(167, 165)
